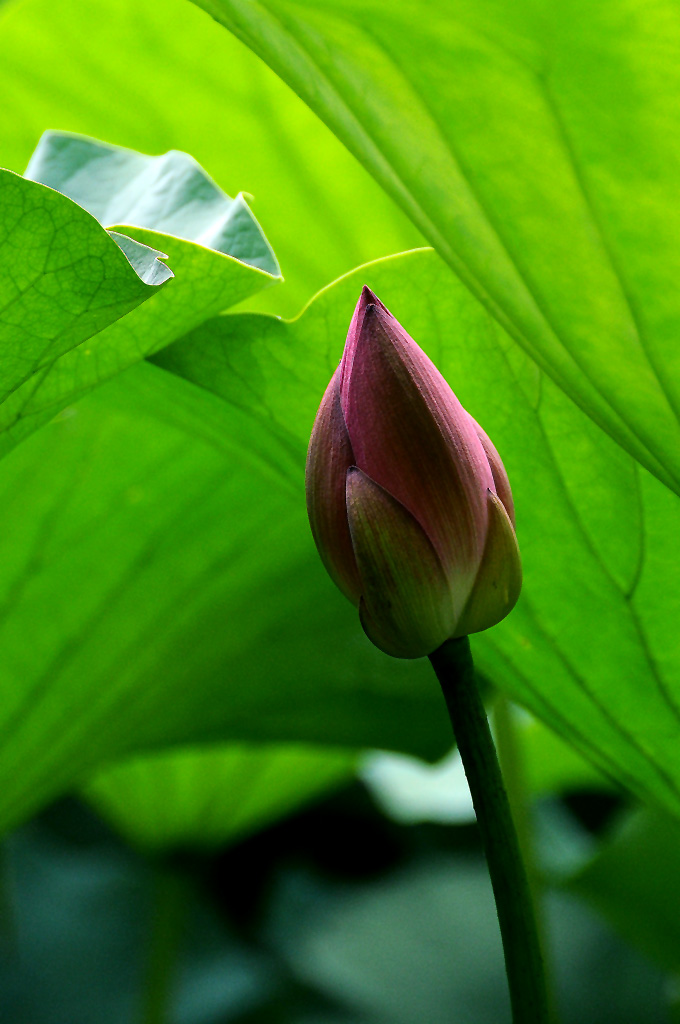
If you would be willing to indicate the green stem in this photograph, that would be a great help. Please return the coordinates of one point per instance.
(523, 962)
(514, 776)
(166, 932)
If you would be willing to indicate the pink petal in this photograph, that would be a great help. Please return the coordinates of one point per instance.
(328, 458)
(366, 299)
(406, 607)
(499, 579)
(500, 477)
(410, 434)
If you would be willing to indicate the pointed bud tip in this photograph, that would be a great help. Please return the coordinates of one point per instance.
(367, 299)
(368, 296)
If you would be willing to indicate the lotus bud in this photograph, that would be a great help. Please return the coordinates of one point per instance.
(409, 502)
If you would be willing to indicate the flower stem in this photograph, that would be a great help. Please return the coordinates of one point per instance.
(453, 665)
(514, 776)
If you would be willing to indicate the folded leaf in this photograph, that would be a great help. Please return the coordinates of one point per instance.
(172, 191)
(170, 194)
(63, 279)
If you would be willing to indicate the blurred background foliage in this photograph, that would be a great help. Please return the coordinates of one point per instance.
(179, 674)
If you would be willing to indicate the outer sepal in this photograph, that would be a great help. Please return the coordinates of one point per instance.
(406, 605)
(499, 579)
(500, 477)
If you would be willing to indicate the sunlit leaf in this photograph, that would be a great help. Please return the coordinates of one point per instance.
(592, 647)
(162, 585)
(537, 147)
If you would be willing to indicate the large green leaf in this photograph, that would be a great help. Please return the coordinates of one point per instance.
(119, 70)
(216, 248)
(160, 587)
(592, 647)
(537, 147)
(62, 280)
(161, 584)
(211, 796)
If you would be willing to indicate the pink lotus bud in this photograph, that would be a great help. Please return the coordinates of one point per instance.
(408, 499)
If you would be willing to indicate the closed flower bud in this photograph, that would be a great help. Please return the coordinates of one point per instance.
(408, 499)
